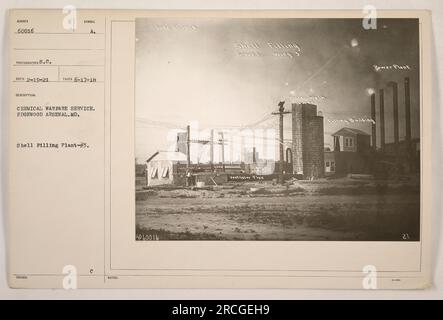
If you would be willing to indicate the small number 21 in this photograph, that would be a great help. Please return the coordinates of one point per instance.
(405, 236)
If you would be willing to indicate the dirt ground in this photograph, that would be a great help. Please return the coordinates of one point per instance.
(341, 209)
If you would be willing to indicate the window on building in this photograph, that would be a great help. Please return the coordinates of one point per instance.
(337, 143)
(154, 173)
(349, 142)
(327, 166)
(332, 166)
(165, 173)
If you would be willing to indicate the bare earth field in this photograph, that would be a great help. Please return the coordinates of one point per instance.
(322, 210)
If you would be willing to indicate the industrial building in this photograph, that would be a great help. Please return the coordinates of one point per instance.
(303, 156)
(307, 141)
(352, 153)
(400, 157)
(356, 151)
(162, 168)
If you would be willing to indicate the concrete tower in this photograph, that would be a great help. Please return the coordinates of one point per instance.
(307, 141)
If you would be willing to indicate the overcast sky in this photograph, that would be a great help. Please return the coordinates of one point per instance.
(233, 72)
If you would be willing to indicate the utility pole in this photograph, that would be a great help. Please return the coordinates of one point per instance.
(222, 140)
(281, 112)
(211, 150)
(188, 146)
(204, 142)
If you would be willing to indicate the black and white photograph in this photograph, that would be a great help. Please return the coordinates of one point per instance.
(277, 129)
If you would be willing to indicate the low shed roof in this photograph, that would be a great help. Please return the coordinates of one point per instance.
(168, 156)
(343, 131)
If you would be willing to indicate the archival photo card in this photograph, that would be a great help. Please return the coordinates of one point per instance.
(219, 149)
(289, 129)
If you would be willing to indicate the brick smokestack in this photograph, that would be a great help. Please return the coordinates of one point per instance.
(374, 123)
(408, 110)
(297, 135)
(382, 119)
(395, 110)
(307, 140)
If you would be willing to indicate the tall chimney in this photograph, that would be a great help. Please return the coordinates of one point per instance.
(395, 109)
(373, 126)
(382, 119)
(408, 110)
